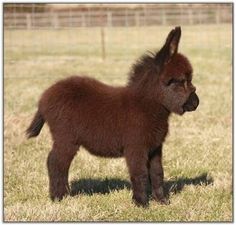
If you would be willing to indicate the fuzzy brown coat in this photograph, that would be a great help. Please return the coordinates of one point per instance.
(129, 121)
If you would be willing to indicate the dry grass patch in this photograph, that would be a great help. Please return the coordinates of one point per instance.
(197, 152)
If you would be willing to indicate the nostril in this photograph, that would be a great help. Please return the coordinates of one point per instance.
(196, 102)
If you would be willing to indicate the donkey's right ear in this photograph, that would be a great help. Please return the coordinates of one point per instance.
(170, 47)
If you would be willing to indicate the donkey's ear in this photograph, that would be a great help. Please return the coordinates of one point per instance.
(170, 47)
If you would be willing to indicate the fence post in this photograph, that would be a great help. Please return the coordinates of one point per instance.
(55, 21)
(181, 16)
(14, 17)
(28, 21)
(103, 43)
(83, 20)
(144, 16)
(217, 14)
(163, 17)
(200, 15)
(126, 17)
(89, 18)
(109, 19)
(70, 18)
(137, 19)
(190, 16)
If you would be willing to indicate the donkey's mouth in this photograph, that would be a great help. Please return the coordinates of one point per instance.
(192, 103)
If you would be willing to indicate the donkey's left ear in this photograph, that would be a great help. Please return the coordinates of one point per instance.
(172, 41)
(170, 47)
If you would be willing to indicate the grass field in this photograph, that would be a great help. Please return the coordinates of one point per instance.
(197, 152)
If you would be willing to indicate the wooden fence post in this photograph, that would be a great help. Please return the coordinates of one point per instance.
(190, 16)
(55, 21)
(217, 14)
(109, 19)
(126, 17)
(83, 21)
(145, 16)
(28, 21)
(103, 43)
(163, 17)
(137, 19)
(200, 15)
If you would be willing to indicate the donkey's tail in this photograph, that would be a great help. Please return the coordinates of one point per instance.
(35, 126)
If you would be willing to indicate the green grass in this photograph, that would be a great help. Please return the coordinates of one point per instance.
(197, 152)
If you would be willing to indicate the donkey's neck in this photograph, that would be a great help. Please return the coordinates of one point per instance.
(157, 119)
(159, 112)
(163, 112)
(152, 107)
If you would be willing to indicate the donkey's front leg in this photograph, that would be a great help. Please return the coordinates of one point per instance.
(156, 175)
(137, 165)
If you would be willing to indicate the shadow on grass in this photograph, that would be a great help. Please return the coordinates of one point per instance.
(91, 186)
(176, 186)
(98, 186)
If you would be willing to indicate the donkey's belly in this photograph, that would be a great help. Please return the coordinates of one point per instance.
(105, 140)
(114, 152)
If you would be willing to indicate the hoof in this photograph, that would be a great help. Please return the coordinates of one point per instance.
(58, 196)
(140, 202)
(164, 201)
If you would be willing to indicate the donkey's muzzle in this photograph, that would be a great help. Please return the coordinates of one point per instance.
(192, 103)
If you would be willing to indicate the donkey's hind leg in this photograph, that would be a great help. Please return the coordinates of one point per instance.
(58, 164)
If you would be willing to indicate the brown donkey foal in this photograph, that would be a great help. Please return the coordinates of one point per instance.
(130, 121)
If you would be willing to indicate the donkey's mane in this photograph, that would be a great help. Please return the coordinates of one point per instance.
(143, 73)
(143, 70)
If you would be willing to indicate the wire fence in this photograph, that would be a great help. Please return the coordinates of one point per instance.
(43, 32)
(41, 16)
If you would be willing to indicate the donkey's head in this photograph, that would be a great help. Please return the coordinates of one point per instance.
(177, 92)
(167, 77)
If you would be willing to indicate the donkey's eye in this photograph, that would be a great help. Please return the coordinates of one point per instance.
(172, 81)
(175, 81)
